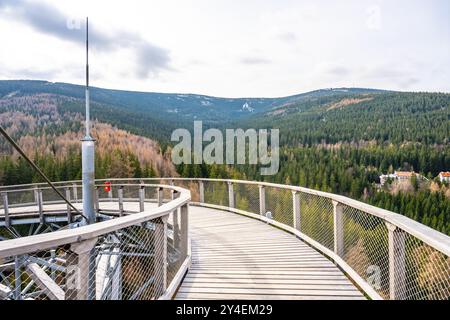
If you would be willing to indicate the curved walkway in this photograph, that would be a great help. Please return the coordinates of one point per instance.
(235, 257)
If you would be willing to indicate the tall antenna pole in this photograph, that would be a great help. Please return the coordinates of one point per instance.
(88, 115)
(87, 151)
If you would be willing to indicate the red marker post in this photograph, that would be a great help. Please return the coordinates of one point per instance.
(107, 186)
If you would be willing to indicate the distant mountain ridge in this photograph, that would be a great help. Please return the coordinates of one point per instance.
(354, 115)
(165, 105)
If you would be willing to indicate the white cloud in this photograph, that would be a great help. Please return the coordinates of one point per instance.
(227, 48)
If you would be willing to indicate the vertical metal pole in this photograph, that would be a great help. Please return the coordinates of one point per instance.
(40, 206)
(87, 151)
(141, 198)
(262, 200)
(230, 195)
(52, 256)
(116, 285)
(80, 266)
(160, 256)
(201, 188)
(97, 200)
(36, 196)
(397, 268)
(296, 209)
(184, 212)
(69, 210)
(176, 227)
(6, 209)
(18, 278)
(75, 192)
(338, 228)
(120, 196)
(160, 196)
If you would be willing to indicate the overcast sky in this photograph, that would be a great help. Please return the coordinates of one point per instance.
(263, 48)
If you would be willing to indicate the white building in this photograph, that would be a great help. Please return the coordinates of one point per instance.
(385, 177)
(400, 176)
(444, 176)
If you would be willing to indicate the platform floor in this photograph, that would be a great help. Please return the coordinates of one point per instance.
(235, 257)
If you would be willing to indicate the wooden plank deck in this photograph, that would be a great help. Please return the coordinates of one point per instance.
(235, 257)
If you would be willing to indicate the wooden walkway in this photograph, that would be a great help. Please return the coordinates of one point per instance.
(235, 257)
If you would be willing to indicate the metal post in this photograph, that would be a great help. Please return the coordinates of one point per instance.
(338, 228)
(88, 152)
(96, 199)
(120, 196)
(116, 284)
(6, 209)
(262, 200)
(397, 269)
(40, 206)
(184, 212)
(80, 266)
(201, 188)
(88, 179)
(160, 196)
(172, 192)
(18, 278)
(69, 210)
(296, 209)
(176, 227)
(36, 200)
(75, 192)
(52, 256)
(141, 198)
(230, 195)
(160, 256)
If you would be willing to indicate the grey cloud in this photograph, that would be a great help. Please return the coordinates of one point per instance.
(254, 60)
(339, 71)
(403, 77)
(32, 74)
(150, 58)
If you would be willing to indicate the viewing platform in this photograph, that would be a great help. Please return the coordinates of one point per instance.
(180, 238)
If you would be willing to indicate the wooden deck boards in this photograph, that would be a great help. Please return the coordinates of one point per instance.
(235, 257)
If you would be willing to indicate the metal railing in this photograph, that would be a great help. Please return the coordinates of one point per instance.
(139, 249)
(389, 256)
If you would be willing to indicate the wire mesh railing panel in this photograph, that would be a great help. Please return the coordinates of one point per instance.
(192, 186)
(316, 216)
(130, 192)
(127, 264)
(365, 247)
(175, 256)
(279, 203)
(49, 195)
(216, 192)
(427, 272)
(37, 276)
(247, 197)
(130, 263)
(15, 198)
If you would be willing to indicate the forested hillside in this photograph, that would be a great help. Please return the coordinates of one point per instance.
(336, 140)
(51, 135)
(392, 118)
